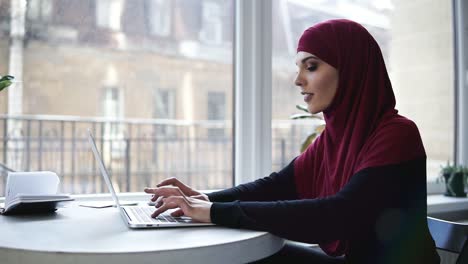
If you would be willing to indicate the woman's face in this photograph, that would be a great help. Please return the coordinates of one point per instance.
(318, 81)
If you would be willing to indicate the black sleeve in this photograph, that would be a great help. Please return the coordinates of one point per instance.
(277, 186)
(341, 216)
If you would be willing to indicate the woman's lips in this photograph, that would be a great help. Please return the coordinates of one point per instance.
(307, 97)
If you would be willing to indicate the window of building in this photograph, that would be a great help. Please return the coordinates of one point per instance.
(113, 136)
(216, 110)
(111, 102)
(164, 104)
(211, 31)
(112, 109)
(109, 14)
(159, 17)
(164, 108)
(39, 10)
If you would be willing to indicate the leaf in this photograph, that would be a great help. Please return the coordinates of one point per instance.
(303, 108)
(4, 84)
(301, 116)
(305, 115)
(308, 141)
(7, 77)
(319, 129)
(5, 81)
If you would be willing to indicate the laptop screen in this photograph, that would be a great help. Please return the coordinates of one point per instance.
(103, 169)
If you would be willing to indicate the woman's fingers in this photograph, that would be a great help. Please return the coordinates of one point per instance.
(197, 209)
(175, 182)
(178, 213)
(158, 202)
(171, 203)
(203, 197)
(164, 191)
(169, 181)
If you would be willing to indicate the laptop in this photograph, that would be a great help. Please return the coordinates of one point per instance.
(140, 216)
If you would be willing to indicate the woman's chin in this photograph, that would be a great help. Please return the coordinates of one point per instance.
(312, 110)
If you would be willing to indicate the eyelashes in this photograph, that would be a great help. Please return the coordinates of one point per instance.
(312, 68)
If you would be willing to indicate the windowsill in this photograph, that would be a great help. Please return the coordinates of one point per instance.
(438, 204)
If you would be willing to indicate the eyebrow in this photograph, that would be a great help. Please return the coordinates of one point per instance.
(306, 58)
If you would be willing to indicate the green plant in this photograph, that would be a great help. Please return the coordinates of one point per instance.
(446, 171)
(5, 81)
(449, 169)
(455, 178)
(464, 171)
(318, 129)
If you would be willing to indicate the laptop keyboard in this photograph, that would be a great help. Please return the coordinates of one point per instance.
(143, 214)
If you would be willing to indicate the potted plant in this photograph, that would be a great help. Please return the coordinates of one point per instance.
(317, 130)
(456, 182)
(454, 178)
(445, 173)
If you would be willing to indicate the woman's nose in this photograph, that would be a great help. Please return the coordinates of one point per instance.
(298, 81)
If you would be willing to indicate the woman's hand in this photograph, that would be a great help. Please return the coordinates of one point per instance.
(172, 193)
(173, 186)
(197, 209)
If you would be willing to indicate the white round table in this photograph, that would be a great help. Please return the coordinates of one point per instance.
(78, 234)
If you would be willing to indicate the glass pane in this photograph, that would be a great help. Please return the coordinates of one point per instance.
(141, 74)
(416, 41)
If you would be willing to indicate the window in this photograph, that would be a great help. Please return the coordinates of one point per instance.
(216, 112)
(66, 87)
(111, 102)
(211, 32)
(416, 40)
(113, 138)
(164, 108)
(124, 93)
(164, 104)
(109, 14)
(39, 10)
(158, 12)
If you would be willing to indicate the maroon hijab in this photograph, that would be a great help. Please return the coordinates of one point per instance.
(363, 128)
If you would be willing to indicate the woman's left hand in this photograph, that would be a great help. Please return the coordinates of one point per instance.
(198, 210)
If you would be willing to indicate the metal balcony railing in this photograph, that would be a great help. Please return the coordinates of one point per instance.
(137, 152)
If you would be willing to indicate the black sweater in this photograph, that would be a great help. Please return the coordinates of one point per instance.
(381, 212)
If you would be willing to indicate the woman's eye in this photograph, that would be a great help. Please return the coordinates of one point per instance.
(312, 68)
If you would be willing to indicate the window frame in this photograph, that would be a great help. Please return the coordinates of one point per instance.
(460, 22)
(252, 90)
(460, 50)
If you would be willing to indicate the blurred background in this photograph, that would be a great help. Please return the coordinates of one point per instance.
(153, 79)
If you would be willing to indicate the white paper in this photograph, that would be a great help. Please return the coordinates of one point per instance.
(31, 183)
(104, 204)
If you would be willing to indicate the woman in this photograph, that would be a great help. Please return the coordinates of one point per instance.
(359, 190)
